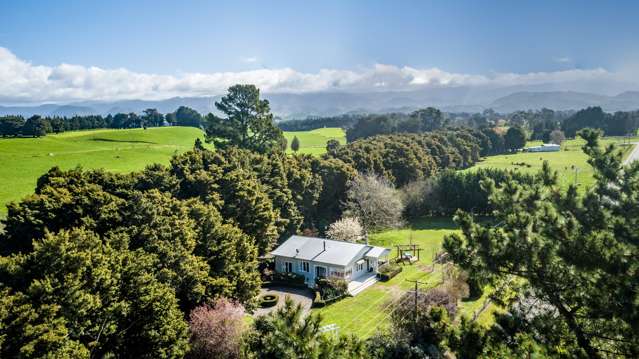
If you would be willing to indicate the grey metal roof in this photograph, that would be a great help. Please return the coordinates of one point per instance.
(377, 252)
(322, 250)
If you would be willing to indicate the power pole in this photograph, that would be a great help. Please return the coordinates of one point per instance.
(415, 304)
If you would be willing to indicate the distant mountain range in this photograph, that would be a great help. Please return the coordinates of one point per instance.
(289, 106)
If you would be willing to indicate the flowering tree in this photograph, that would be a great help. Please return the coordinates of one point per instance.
(216, 330)
(346, 229)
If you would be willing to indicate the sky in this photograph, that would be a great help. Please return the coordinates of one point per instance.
(104, 50)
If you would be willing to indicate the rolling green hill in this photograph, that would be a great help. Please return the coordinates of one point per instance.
(23, 160)
(314, 142)
(570, 163)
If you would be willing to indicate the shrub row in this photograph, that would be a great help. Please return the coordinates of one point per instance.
(389, 271)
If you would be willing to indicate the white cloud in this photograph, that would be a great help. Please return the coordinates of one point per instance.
(21, 81)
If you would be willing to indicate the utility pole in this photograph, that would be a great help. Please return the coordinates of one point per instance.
(415, 304)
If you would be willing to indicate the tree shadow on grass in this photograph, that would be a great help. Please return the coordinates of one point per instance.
(100, 139)
(433, 223)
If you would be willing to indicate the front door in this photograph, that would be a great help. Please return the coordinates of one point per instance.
(320, 272)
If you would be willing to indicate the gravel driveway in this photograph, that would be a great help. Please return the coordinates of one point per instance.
(301, 296)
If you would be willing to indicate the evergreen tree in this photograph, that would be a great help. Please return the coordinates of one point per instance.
(295, 144)
(572, 254)
(248, 123)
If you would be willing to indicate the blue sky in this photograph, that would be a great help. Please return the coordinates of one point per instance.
(461, 37)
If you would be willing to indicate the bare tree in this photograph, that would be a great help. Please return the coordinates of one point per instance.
(375, 202)
(346, 229)
(216, 330)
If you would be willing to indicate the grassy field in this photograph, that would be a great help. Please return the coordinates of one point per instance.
(24, 160)
(570, 162)
(371, 309)
(314, 142)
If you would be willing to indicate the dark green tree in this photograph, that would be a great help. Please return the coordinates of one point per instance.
(248, 123)
(287, 333)
(11, 125)
(431, 119)
(572, 254)
(36, 126)
(186, 116)
(295, 144)
(515, 138)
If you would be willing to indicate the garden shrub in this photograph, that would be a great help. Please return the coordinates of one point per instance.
(268, 300)
(389, 271)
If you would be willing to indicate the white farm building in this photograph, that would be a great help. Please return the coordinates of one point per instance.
(546, 147)
(318, 257)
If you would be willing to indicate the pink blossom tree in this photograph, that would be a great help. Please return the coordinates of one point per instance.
(216, 330)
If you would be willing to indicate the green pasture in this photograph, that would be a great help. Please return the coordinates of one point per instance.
(24, 160)
(314, 142)
(570, 163)
(370, 310)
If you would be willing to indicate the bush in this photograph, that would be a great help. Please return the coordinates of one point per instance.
(292, 279)
(268, 300)
(330, 289)
(389, 271)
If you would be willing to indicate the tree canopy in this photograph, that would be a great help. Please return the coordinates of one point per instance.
(248, 123)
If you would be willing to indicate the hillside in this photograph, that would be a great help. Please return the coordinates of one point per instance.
(26, 159)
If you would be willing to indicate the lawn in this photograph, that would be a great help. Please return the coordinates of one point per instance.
(570, 163)
(370, 311)
(24, 160)
(314, 142)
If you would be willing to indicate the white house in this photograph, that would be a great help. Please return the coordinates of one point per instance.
(546, 147)
(318, 257)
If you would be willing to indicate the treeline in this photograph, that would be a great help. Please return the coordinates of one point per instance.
(37, 126)
(313, 123)
(404, 158)
(125, 258)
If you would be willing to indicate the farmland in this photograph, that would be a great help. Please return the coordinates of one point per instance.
(24, 160)
(570, 163)
(370, 310)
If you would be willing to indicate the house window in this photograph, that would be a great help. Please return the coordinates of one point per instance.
(288, 267)
(360, 266)
(306, 267)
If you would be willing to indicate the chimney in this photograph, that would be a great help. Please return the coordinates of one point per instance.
(324, 246)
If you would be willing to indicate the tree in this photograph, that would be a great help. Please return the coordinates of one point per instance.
(216, 330)
(431, 119)
(570, 252)
(186, 116)
(35, 126)
(557, 137)
(346, 229)
(152, 117)
(515, 138)
(288, 333)
(295, 144)
(11, 125)
(375, 202)
(248, 123)
(78, 294)
(332, 146)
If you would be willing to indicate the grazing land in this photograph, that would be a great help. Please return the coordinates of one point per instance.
(24, 160)
(371, 309)
(570, 163)
(314, 142)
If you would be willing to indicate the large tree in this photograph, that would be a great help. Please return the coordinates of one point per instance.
(574, 255)
(248, 122)
(515, 138)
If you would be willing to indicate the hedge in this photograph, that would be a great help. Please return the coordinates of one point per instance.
(268, 300)
(388, 271)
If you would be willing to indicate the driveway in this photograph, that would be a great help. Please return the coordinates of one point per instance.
(634, 154)
(298, 295)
